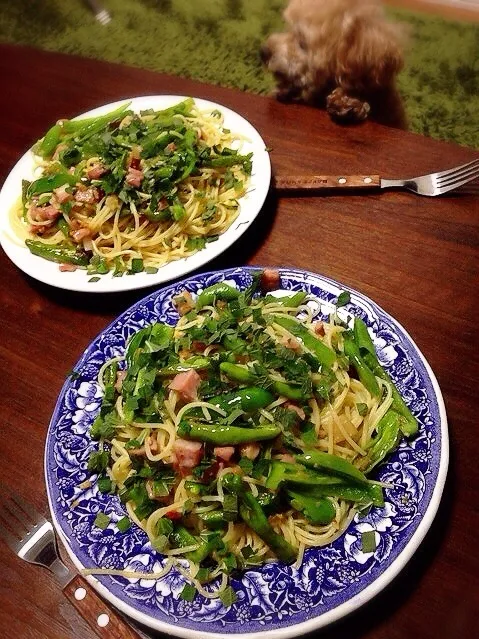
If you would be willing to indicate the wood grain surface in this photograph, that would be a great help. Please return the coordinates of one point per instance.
(416, 257)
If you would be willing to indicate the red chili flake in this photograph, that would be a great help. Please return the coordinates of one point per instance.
(173, 515)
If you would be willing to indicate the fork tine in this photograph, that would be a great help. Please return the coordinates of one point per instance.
(18, 517)
(461, 179)
(455, 169)
(27, 508)
(459, 175)
(450, 187)
(5, 533)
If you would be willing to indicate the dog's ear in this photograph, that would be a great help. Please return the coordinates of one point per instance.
(370, 54)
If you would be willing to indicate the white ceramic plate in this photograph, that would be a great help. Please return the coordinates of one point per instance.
(49, 273)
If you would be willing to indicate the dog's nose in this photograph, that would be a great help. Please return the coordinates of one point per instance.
(265, 53)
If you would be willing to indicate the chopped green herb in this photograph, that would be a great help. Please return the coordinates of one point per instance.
(124, 524)
(188, 593)
(98, 461)
(343, 299)
(101, 521)
(228, 597)
(105, 484)
(246, 465)
(159, 543)
(368, 541)
(362, 409)
(136, 265)
(94, 279)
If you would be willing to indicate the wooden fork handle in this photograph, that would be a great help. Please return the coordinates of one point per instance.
(101, 617)
(316, 182)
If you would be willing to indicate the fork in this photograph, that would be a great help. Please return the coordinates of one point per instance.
(33, 539)
(430, 185)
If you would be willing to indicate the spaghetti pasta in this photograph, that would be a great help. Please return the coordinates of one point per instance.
(130, 192)
(254, 450)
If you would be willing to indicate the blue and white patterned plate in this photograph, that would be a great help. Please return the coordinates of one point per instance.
(276, 600)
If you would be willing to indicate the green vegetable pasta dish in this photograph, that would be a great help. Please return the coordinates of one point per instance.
(127, 192)
(245, 433)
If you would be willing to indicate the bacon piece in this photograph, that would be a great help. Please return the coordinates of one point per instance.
(299, 411)
(38, 230)
(184, 302)
(61, 194)
(224, 452)
(135, 162)
(134, 177)
(251, 451)
(120, 376)
(291, 343)
(96, 171)
(319, 329)
(270, 279)
(170, 147)
(286, 457)
(188, 454)
(67, 267)
(81, 234)
(44, 213)
(88, 196)
(186, 384)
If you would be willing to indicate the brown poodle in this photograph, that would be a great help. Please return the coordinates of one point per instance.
(340, 54)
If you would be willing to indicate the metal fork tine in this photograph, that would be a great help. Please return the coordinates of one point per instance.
(445, 189)
(458, 181)
(459, 175)
(12, 541)
(18, 518)
(442, 174)
(27, 508)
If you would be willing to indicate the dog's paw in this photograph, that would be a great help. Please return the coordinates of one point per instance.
(343, 108)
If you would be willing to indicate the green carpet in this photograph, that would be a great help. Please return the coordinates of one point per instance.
(217, 41)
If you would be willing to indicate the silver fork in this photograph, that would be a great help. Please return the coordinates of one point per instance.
(430, 185)
(33, 539)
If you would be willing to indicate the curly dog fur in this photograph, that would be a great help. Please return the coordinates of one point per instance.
(343, 55)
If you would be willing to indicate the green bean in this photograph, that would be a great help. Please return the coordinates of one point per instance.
(182, 538)
(84, 126)
(371, 494)
(319, 460)
(362, 338)
(219, 291)
(254, 516)
(57, 253)
(280, 472)
(47, 145)
(387, 438)
(244, 375)
(214, 520)
(225, 435)
(288, 301)
(319, 511)
(409, 425)
(291, 392)
(237, 373)
(366, 376)
(325, 355)
(232, 483)
(195, 363)
(249, 399)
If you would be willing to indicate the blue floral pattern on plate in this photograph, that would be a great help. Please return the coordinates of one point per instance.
(331, 580)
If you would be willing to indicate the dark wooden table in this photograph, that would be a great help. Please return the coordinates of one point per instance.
(416, 257)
